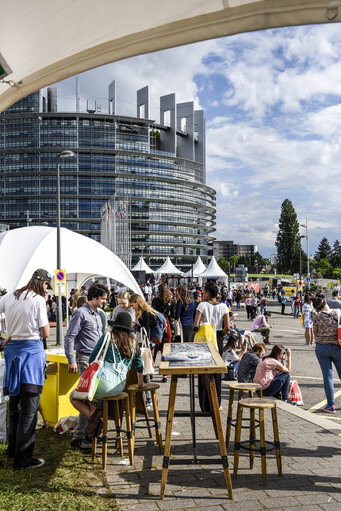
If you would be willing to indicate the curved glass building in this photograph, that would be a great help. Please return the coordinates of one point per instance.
(159, 167)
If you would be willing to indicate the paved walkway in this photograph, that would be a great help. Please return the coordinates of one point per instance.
(311, 458)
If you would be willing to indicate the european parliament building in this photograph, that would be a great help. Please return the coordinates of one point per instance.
(159, 167)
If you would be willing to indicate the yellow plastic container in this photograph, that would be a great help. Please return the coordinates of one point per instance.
(54, 402)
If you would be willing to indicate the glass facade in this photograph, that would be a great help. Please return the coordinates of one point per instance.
(172, 210)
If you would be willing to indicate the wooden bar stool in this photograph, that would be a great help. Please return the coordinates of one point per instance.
(152, 388)
(251, 388)
(259, 404)
(121, 433)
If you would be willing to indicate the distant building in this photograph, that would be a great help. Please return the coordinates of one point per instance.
(4, 227)
(227, 249)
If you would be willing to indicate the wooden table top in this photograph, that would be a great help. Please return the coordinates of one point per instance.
(192, 349)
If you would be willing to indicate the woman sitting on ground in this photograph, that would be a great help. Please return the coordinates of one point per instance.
(273, 375)
(124, 345)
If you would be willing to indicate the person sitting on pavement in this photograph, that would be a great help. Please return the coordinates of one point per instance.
(229, 352)
(273, 375)
(261, 325)
(249, 362)
(335, 302)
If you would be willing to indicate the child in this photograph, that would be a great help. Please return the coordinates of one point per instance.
(229, 353)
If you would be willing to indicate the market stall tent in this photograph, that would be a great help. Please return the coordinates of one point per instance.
(25, 249)
(45, 41)
(141, 265)
(168, 268)
(197, 269)
(213, 270)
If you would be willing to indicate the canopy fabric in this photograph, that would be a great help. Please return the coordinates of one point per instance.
(26, 249)
(168, 268)
(197, 269)
(46, 41)
(213, 270)
(142, 266)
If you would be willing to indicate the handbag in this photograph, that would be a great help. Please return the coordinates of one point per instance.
(302, 319)
(146, 354)
(178, 330)
(295, 395)
(89, 380)
(113, 376)
(206, 333)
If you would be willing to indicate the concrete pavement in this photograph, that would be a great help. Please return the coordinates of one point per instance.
(310, 445)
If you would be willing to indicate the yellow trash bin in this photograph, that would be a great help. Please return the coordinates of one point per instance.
(54, 401)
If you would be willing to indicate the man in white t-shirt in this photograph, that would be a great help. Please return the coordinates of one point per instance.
(26, 322)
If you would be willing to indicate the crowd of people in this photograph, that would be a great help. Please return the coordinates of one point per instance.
(184, 310)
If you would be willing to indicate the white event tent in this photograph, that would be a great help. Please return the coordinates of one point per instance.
(45, 41)
(197, 269)
(214, 270)
(26, 249)
(168, 268)
(141, 265)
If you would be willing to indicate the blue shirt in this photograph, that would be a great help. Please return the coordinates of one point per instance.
(84, 331)
(185, 314)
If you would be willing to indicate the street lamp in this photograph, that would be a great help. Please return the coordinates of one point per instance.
(64, 154)
(307, 238)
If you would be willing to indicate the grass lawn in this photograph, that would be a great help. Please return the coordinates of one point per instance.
(68, 480)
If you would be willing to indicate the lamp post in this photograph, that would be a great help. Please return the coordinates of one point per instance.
(307, 238)
(64, 154)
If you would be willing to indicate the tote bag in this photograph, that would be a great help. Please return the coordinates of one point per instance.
(146, 354)
(206, 333)
(89, 380)
(113, 376)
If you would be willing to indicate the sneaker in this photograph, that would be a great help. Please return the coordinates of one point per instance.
(34, 463)
(164, 380)
(81, 445)
(148, 405)
(329, 409)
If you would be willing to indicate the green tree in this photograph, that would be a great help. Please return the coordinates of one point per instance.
(335, 257)
(233, 261)
(245, 260)
(288, 239)
(323, 250)
(224, 264)
(325, 268)
(337, 273)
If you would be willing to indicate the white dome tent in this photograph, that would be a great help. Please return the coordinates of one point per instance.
(25, 249)
(141, 265)
(168, 268)
(213, 270)
(63, 40)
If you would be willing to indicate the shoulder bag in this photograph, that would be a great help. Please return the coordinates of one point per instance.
(146, 354)
(113, 376)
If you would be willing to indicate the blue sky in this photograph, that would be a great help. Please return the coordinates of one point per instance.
(272, 104)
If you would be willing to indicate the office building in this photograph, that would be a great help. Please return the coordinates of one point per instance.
(159, 167)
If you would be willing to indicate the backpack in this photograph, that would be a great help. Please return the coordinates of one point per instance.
(158, 326)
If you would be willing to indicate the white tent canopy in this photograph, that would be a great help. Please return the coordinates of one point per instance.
(46, 41)
(197, 269)
(141, 265)
(26, 249)
(168, 268)
(213, 270)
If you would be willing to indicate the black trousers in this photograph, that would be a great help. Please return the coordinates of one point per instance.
(22, 421)
(202, 391)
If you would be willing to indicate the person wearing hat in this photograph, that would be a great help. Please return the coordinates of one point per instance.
(125, 346)
(26, 321)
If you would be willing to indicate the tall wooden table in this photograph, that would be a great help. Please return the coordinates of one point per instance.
(190, 359)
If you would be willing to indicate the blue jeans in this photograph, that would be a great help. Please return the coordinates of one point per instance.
(280, 383)
(326, 354)
(296, 311)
